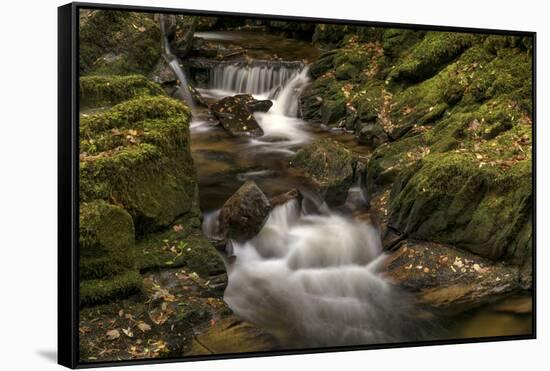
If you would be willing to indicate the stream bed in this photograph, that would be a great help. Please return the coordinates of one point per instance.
(311, 280)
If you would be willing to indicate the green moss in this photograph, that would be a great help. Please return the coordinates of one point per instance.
(331, 108)
(330, 165)
(346, 71)
(396, 41)
(331, 33)
(99, 291)
(186, 248)
(137, 155)
(107, 267)
(431, 54)
(118, 42)
(96, 91)
(480, 200)
(455, 109)
(106, 240)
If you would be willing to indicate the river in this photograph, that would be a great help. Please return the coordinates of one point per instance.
(311, 279)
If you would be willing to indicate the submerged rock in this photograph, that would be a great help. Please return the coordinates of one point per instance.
(244, 213)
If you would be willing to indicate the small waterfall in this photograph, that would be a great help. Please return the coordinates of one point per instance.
(183, 90)
(287, 98)
(258, 78)
(313, 280)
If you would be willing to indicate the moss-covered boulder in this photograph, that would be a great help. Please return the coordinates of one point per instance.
(330, 166)
(97, 91)
(137, 155)
(434, 50)
(118, 42)
(107, 267)
(181, 245)
(450, 117)
(466, 199)
(337, 78)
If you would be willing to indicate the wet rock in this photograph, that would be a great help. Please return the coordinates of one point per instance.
(371, 134)
(244, 213)
(254, 105)
(197, 97)
(285, 197)
(163, 73)
(330, 166)
(445, 277)
(232, 335)
(236, 117)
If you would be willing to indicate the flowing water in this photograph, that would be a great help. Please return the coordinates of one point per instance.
(311, 276)
(173, 61)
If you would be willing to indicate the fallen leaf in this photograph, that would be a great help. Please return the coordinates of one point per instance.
(128, 332)
(113, 334)
(144, 327)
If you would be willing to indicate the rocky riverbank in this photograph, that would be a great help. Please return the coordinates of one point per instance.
(440, 171)
(449, 118)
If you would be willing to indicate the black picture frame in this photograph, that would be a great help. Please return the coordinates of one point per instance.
(68, 182)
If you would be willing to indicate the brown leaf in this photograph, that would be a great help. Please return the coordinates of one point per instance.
(113, 334)
(144, 327)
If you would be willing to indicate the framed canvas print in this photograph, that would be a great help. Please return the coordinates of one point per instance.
(237, 185)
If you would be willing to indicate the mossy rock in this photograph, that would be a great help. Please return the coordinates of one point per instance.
(182, 245)
(448, 198)
(118, 42)
(331, 34)
(322, 65)
(106, 240)
(346, 71)
(389, 159)
(137, 155)
(98, 291)
(323, 101)
(97, 91)
(395, 41)
(431, 54)
(330, 166)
